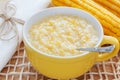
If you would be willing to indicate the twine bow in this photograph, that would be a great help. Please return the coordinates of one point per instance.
(8, 25)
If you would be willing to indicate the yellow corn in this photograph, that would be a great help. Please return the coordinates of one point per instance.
(116, 2)
(56, 3)
(109, 21)
(111, 10)
(112, 5)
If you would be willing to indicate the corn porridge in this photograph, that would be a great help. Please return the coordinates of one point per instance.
(61, 35)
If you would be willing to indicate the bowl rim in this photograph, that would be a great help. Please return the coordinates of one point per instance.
(54, 56)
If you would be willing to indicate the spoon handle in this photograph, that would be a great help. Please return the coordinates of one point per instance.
(101, 49)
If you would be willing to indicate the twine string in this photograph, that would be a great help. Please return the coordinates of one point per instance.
(9, 23)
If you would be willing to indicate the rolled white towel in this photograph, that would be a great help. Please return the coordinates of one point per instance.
(25, 8)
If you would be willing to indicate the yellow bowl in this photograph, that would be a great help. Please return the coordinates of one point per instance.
(66, 67)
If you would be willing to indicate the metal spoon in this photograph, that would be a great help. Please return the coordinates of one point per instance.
(101, 49)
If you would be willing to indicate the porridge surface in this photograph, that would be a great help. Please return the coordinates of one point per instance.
(61, 35)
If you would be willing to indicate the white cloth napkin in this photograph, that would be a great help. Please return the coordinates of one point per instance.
(25, 8)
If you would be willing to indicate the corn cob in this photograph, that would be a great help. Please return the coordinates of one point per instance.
(111, 10)
(58, 3)
(102, 20)
(116, 2)
(112, 5)
(109, 21)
